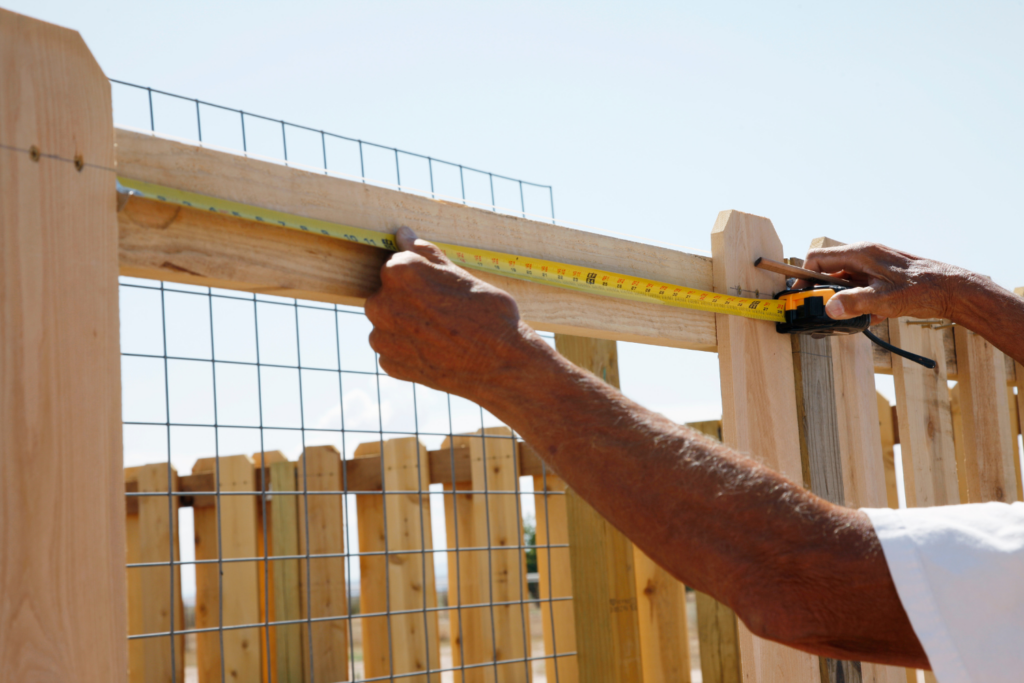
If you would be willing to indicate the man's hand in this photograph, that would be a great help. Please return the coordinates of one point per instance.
(890, 283)
(437, 325)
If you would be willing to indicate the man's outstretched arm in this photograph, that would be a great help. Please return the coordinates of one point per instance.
(794, 567)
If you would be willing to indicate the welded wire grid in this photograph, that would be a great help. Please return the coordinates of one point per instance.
(146, 108)
(209, 372)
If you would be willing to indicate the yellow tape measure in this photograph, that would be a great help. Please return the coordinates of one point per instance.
(568, 276)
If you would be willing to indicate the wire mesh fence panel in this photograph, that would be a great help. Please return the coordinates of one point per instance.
(294, 514)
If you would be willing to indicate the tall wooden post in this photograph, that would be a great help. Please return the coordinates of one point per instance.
(758, 399)
(841, 443)
(602, 559)
(63, 613)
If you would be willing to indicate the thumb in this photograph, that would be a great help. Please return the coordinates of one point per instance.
(408, 241)
(851, 303)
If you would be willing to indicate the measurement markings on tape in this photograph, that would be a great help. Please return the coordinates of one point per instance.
(567, 276)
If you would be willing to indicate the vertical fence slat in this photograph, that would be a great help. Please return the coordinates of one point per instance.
(325, 593)
(154, 529)
(148, 540)
(661, 613)
(463, 574)
(498, 574)
(405, 469)
(554, 577)
(494, 467)
(988, 452)
(373, 597)
(716, 624)
(719, 641)
(888, 434)
(758, 398)
(238, 527)
(286, 595)
(603, 566)
(925, 418)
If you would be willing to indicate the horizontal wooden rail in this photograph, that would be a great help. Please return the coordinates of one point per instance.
(199, 247)
(361, 474)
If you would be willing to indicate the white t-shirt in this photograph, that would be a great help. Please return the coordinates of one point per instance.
(959, 572)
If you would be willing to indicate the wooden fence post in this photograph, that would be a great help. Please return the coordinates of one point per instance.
(554, 572)
(841, 442)
(758, 398)
(404, 581)
(608, 639)
(988, 451)
(239, 603)
(323, 589)
(62, 576)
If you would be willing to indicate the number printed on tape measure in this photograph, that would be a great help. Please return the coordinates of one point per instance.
(530, 269)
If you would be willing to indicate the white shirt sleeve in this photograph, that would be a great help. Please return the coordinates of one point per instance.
(959, 572)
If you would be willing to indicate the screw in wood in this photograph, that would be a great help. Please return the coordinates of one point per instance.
(79, 162)
(34, 153)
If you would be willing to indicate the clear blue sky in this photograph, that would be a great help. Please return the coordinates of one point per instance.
(893, 122)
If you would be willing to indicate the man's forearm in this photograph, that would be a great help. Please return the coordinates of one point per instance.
(713, 518)
(995, 313)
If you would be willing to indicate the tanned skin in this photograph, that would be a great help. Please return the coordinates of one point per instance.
(795, 568)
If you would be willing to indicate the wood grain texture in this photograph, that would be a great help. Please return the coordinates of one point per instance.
(716, 624)
(239, 602)
(150, 608)
(497, 575)
(883, 360)
(815, 385)
(719, 641)
(661, 614)
(62, 577)
(885, 425)
(156, 244)
(409, 583)
(925, 419)
(286, 595)
(758, 400)
(323, 589)
(605, 606)
(554, 570)
(988, 449)
(958, 442)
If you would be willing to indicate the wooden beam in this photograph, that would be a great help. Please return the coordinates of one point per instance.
(62, 516)
(198, 247)
(758, 400)
(608, 639)
(362, 474)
